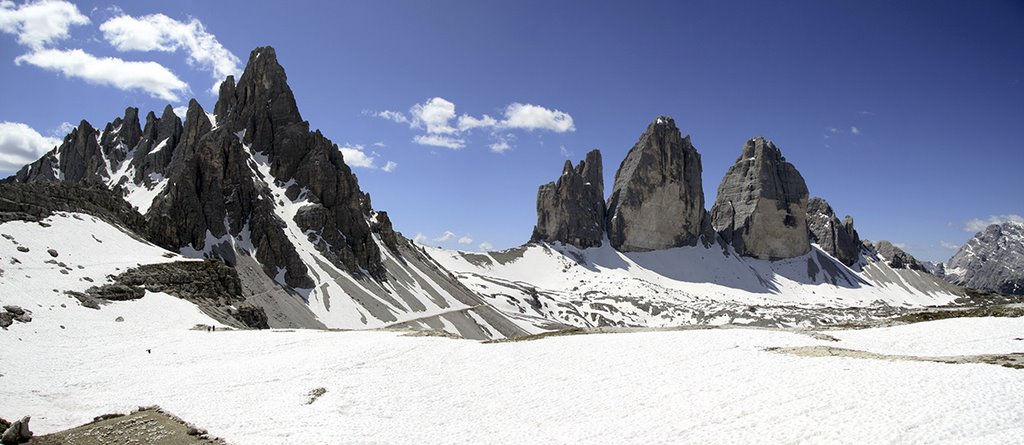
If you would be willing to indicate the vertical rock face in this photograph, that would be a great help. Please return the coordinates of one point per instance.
(241, 179)
(838, 238)
(992, 260)
(657, 201)
(571, 210)
(761, 207)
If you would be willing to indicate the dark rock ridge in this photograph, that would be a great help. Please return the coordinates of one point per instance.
(837, 238)
(231, 180)
(210, 284)
(38, 200)
(571, 210)
(894, 256)
(657, 201)
(761, 207)
(992, 260)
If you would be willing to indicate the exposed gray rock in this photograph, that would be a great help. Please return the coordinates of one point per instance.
(937, 269)
(992, 260)
(36, 201)
(571, 210)
(14, 309)
(838, 238)
(18, 432)
(119, 319)
(6, 319)
(761, 207)
(894, 256)
(657, 201)
(210, 284)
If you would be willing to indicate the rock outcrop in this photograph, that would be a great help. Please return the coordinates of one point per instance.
(992, 260)
(894, 256)
(571, 210)
(657, 201)
(17, 432)
(838, 238)
(761, 207)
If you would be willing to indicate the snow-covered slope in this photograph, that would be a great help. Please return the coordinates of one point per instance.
(699, 386)
(601, 286)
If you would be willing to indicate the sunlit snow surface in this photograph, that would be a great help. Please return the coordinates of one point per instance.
(697, 386)
(72, 363)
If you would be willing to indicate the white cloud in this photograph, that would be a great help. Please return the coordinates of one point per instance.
(433, 115)
(356, 156)
(486, 246)
(900, 245)
(420, 238)
(855, 130)
(465, 239)
(564, 152)
(467, 122)
(949, 245)
(977, 225)
(150, 77)
(380, 144)
(158, 32)
(439, 141)
(500, 146)
(21, 144)
(40, 23)
(447, 236)
(181, 111)
(63, 129)
(535, 117)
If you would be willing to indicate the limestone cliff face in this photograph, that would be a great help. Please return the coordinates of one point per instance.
(838, 238)
(657, 201)
(761, 207)
(571, 210)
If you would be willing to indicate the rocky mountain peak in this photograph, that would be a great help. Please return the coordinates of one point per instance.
(657, 201)
(992, 260)
(838, 238)
(896, 257)
(571, 210)
(761, 206)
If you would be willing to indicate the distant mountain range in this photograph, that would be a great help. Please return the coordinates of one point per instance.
(251, 185)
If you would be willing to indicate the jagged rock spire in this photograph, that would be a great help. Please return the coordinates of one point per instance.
(761, 207)
(572, 210)
(838, 238)
(657, 201)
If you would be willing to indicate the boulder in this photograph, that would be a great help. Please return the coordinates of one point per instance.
(894, 256)
(18, 432)
(761, 207)
(657, 201)
(571, 210)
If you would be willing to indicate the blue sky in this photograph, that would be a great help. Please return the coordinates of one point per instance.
(906, 115)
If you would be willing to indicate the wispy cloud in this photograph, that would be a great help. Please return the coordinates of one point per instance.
(150, 77)
(40, 23)
(465, 239)
(420, 238)
(565, 153)
(486, 246)
(21, 144)
(977, 225)
(949, 245)
(448, 235)
(389, 166)
(443, 127)
(158, 32)
(854, 130)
